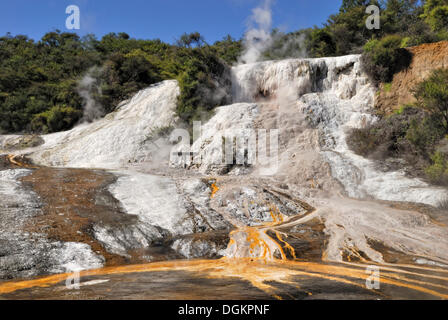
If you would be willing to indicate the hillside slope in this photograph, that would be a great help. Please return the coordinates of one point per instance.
(426, 58)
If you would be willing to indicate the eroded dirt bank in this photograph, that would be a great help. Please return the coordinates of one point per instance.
(425, 59)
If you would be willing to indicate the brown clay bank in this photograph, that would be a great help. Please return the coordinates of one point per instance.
(425, 59)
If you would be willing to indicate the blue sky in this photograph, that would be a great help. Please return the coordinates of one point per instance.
(163, 19)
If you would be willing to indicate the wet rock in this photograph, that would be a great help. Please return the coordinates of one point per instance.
(122, 239)
(25, 254)
(206, 246)
(18, 142)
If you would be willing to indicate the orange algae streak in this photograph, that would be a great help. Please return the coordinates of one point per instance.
(254, 242)
(255, 239)
(287, 245)
(215, 189)
(12, 159)
(12, 286)
(257, 272)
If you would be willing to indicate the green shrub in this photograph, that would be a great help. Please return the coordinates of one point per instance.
(402, 108)
(438, 171)
(387, 87)
(386, 137)
(363, 141)
(424, 134)
(321, 43)
(432, 96)
(204, 84)
(410, 134)
(383, 58)
(56, 119)
(405, 42)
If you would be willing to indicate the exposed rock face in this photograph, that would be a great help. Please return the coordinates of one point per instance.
(353, 226)
(17, 142)
(426, 58)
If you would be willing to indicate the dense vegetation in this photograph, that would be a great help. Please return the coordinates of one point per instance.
(414, 22)
(40, 81)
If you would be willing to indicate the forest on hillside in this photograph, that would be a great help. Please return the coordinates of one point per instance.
(45, 84)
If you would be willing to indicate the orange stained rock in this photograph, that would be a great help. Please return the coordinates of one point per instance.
(287, 245)
(277, 216)
(256, 271)
(215, 189)
(13, 160)
(258, 239)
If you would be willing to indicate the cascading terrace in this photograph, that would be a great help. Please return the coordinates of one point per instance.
(335, 95)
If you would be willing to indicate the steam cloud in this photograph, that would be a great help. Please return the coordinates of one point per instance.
(258, 38)
(87, 88)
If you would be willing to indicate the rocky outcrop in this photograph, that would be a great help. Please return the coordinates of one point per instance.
(426, 58)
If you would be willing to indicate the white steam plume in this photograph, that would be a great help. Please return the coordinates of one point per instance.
(91, 109)
(258, 38)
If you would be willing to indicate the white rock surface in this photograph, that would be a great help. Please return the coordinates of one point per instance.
(334, 95)
(119, 138)
(155, 200)
(229, 122)
(351, 223)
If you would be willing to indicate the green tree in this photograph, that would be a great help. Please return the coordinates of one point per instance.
(399, 15)
(383, 58)
(321, 43)
(348, 5)
(436, 14)
(438, 172)
(56, 119)
(189, 39)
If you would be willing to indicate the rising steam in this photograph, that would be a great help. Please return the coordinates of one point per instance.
(261, 40)
(258, 38)
(88, 88)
